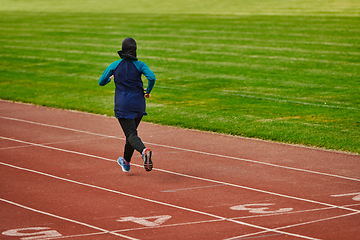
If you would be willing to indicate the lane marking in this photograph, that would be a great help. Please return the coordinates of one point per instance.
(291, 226)
(295, 212)
(153, 201)
(346, 194)
(183, 189)
(51, 143)
(78, 235)
(59, 127)
(58, 149)
(188, 176)
(189, 150)
(356, 198)
(66, 219)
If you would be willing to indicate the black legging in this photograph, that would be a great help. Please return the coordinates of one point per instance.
(133, 142)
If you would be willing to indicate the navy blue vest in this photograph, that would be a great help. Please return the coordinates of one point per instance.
(129, 92)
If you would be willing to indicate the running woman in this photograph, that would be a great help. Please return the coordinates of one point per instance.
(130, 100)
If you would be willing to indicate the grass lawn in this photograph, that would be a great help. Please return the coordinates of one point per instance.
(287, 71)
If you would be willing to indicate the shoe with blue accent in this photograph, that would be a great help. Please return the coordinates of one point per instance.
(146, 156)
(125, 166)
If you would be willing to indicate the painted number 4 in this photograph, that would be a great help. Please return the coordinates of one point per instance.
(145, 221)
(260, 208)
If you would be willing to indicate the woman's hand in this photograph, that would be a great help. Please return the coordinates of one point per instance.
(147, 95)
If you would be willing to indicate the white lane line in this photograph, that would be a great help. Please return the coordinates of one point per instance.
(346, 194)
(58, 149)
(356, 198)
(59, 127)
(295, 212)
(51, 143)
(257, 162)
(191, 188)
(76, 236)
(291, 226)
(190, 176)
(189, 150)
(156, 202)
(67, 219)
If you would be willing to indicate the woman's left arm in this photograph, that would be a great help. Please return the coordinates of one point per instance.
(144, 69)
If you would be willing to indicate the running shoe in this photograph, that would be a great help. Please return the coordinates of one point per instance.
(146, 155)
(125, 167)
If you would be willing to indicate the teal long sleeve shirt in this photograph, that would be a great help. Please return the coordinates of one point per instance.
(141, 66)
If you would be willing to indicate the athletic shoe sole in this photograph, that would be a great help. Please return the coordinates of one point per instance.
(148, 164)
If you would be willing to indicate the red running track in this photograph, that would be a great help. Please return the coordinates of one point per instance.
(60, 180)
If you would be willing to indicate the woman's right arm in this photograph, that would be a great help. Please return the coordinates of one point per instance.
(108, 73)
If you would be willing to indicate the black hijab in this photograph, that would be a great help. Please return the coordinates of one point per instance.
(128, 49)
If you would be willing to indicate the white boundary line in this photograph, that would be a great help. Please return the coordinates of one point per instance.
(294, 225)
(345, 194)
(144, 199)
(65, 219)
(188, 150)
(185, 175)
(51, 143)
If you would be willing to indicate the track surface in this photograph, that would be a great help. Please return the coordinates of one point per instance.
(60, 180)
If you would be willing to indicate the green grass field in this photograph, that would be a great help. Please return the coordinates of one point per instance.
(286, 71)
